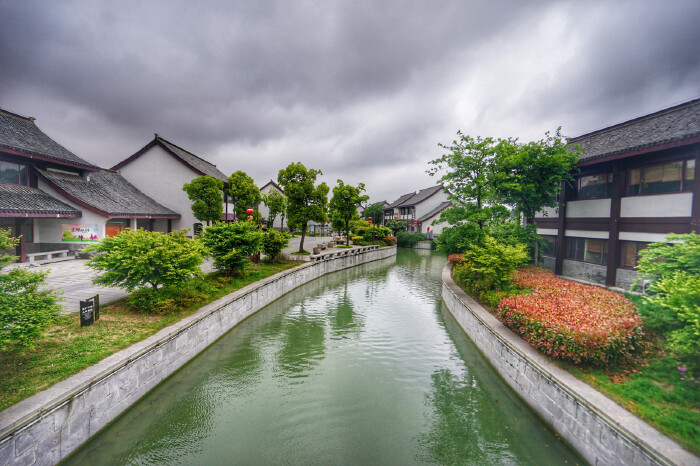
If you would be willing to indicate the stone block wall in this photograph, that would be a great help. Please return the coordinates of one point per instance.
(48, 426)
(599, 429)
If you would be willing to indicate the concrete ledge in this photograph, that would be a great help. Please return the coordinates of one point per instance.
(599, 429)
(48, 426)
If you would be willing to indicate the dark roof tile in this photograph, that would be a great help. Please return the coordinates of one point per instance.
(192, 160)
(20, 134)
(15, 200)
(108, 192)
(666, 126)
(435, 211)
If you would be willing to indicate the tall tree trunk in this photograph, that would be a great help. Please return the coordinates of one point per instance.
(303, 235)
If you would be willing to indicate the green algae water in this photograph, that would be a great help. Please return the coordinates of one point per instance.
(363, 366)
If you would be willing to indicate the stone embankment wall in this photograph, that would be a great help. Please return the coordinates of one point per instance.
(47, 427)
(599, 429)
(423, 245)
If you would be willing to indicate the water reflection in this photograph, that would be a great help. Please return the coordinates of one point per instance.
(362, 366)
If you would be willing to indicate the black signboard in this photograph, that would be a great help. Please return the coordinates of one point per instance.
(87, 312)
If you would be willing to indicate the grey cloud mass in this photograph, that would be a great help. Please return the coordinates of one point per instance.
(362, 90)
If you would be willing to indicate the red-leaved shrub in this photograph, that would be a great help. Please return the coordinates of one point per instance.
(569, 320)
(454, 259)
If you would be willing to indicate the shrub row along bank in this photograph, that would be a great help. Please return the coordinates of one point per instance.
(570, 320)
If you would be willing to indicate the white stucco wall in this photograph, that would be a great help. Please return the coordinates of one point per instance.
(548, 212)
(663, 205)
(264, 211)
(431, 203)
(587, 234)
(592, 208)
(48, 230)
(161, 177)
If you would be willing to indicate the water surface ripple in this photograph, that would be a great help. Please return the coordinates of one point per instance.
(363, 366)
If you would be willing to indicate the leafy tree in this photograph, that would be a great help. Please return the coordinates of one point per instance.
(396, 226)
(137, 259)
(529, 176)
(305, 201)
(484, 175)
(273, 242)
(664, 258)
(376, 212)
(6, 242)
(276, 204)
(243, 193)
(232, 244)
(26, 308)
(205, 192)
(344, 203)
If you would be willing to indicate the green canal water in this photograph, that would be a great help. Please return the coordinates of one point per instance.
(363, 366)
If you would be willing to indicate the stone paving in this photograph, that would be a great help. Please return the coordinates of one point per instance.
(74, 278)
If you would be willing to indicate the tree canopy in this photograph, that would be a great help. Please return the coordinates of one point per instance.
(242, 193)
(205, 192)
(305, 201)
(276, 204)
(344, 203)
(376, 211)
(488, 177)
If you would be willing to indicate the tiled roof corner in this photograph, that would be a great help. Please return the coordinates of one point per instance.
(18, 200)
(21, 135)
(435, 211)
(106, 192)
(672, 125)
(192, 160)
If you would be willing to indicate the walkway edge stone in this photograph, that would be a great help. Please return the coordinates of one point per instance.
(47, 427)
(598, 428)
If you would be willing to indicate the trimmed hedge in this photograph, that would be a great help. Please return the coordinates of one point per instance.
(570, 320)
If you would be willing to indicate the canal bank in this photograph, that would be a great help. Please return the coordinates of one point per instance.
(357, 367)
(598, 428)
(48, 426)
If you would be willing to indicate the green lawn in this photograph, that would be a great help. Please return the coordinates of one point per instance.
(66, 348)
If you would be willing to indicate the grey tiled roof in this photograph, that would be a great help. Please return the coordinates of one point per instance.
(400, 200)
(666, 126)
(435, 211)
(193, 161)
(422, 195)
(107, 192)
(16, 199)
(22, 135)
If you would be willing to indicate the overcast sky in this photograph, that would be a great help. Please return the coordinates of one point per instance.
(363, 90)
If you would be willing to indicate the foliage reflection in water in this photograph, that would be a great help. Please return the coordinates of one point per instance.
(364, 366)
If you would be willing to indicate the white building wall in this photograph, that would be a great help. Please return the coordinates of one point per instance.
(160, 176)
(593, 208)
(662, 205)
(548, 212)
(48, 230)
(264, 211)
(431, 203)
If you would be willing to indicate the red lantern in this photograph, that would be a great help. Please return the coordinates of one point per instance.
(249, 211)
(250, 217)
(369, 219)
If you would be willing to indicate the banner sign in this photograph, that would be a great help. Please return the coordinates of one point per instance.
(79, 233)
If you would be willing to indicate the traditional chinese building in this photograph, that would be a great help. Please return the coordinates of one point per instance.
(635, 184)
(419, 209)
(56, 200)
(160, 169)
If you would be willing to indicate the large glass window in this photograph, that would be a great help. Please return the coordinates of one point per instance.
(588, 250)
(14, 173)
(630, 253)
(671, 177)
(550, 248)
(594, 186)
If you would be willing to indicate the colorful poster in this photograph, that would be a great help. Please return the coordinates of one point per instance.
(79, 233)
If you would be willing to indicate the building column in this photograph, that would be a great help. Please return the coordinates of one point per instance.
(695, 212)
(21, 249)
(133, 224)
(561, 228)
(618, 184)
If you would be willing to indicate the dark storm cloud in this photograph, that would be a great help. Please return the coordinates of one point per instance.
(363, 90)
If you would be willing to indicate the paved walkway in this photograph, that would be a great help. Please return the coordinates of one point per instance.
(74, 277)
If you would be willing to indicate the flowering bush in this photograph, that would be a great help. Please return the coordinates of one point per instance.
(454, 259)
(570, 320)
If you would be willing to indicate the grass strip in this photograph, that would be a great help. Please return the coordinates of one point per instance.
(66, 348)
